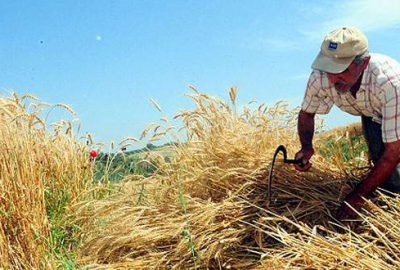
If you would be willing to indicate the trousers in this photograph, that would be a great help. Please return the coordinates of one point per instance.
(373, 136)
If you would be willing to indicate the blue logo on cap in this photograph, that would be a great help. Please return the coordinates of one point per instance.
(332, 46)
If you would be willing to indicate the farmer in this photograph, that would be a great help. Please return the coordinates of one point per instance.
(360, 83)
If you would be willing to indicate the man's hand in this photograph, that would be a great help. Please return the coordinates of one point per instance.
(305, 155)
(345, 212)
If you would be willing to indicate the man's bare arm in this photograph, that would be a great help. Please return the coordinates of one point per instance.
(382, 170)
(305, 127)
(377, 176)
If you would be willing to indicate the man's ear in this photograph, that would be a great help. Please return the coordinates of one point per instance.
(366, 62)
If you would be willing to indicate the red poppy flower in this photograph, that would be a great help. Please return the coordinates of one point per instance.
(93, 153)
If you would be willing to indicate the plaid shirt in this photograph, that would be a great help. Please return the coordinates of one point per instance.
(378, 96)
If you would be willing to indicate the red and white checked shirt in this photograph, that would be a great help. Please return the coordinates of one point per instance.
(378, 96)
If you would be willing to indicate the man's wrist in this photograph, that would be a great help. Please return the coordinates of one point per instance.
(360, 191)
(307, 146)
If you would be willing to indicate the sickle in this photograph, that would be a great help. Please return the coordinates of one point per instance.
(282, 149)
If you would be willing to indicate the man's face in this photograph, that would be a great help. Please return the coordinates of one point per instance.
(345, 80)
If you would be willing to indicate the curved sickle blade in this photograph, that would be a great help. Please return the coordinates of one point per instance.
(282, 149)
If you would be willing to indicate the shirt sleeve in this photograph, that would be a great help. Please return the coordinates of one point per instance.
(391, 111)
(315, 101)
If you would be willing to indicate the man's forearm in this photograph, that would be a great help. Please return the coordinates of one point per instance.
(381, 171)
(305, 127)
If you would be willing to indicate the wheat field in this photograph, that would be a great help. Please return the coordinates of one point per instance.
(205, 207)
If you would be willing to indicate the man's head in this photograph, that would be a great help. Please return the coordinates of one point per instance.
(343, 56)
(345, 80)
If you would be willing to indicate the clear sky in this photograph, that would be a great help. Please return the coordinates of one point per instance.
(106, 59)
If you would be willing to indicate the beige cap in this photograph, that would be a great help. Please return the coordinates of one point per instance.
(339, 49)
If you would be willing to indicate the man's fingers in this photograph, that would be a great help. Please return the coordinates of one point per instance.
(299, 155)
(345, 213)
(304, 168)
(304, 155)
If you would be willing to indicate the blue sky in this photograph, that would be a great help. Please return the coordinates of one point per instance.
(106, 59)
